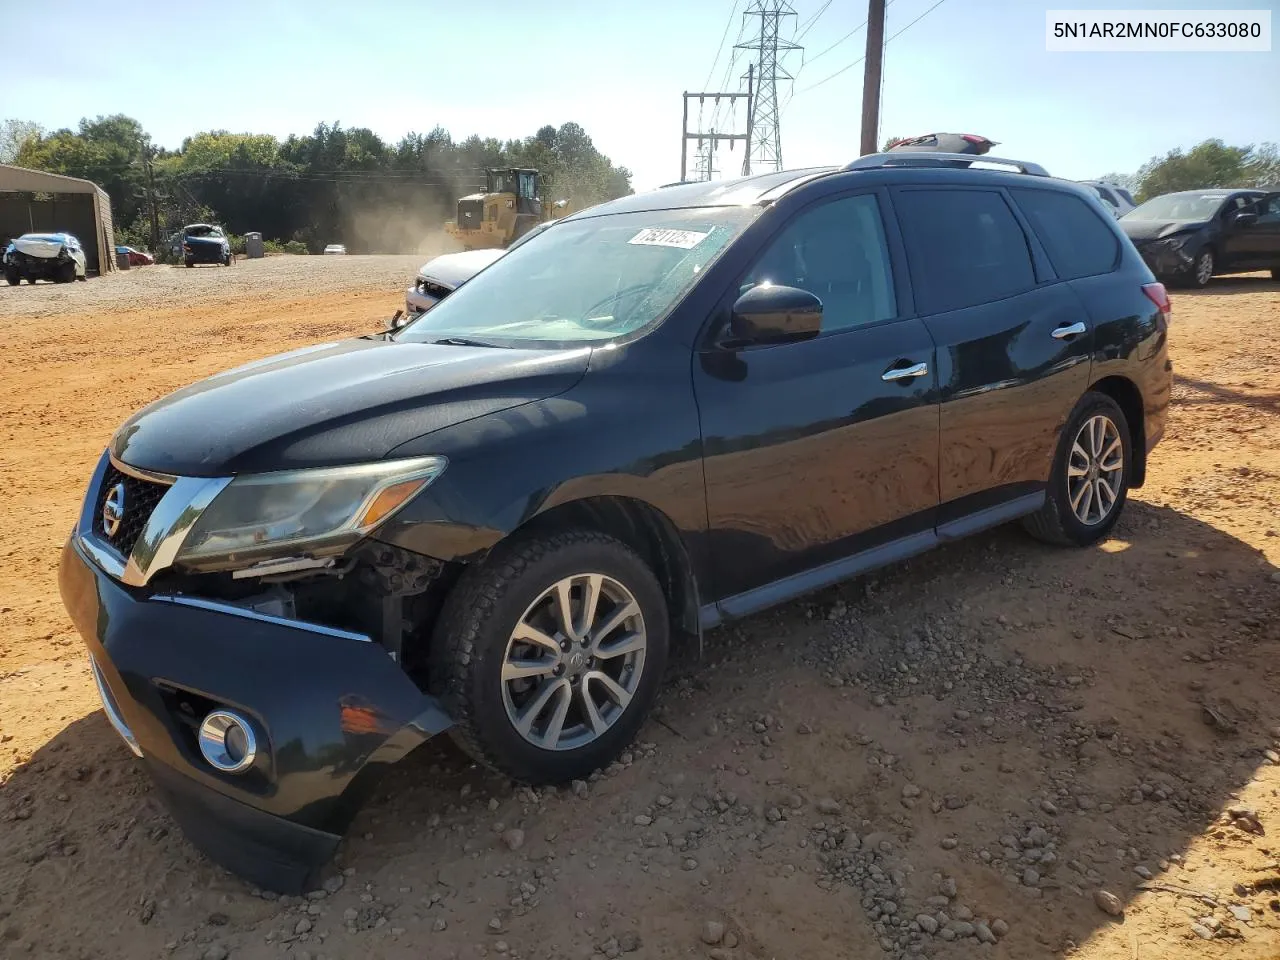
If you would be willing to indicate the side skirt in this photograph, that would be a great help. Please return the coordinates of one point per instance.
(780, 591)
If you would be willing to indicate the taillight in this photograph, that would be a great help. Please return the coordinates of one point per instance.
(1158, 295)
(186, 246)
(974, 139)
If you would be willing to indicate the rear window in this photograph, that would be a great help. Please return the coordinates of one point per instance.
(965, 247)
(1078, 241)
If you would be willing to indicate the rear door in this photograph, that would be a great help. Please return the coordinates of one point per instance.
(1013, 342)
(819, 450)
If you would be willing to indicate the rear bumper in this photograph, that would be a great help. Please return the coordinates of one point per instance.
(330, 711)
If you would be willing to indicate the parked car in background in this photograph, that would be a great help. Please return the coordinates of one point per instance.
(1116, 197)
(137, 258)
(335, 249)
(205, 243)
(1194, 235)
(670, 411)
(440, 276)
(44, 256)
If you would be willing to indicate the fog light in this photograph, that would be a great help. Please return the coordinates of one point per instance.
(227, 741)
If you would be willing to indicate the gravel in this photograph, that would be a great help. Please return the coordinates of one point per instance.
(160, 286)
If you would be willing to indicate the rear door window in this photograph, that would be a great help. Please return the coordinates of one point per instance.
(1077, 240)
(965, 247)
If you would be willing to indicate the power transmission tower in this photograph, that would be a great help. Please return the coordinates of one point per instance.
(708, 140)
(764, 144)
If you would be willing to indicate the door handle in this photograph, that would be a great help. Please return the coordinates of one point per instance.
(905, 373)
(1073, 330)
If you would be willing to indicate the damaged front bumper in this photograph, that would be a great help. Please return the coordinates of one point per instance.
(329, 709)
(1166, 259)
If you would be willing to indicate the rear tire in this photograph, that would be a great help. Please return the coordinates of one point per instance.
(580, 693)
(1084, 499)
(65, 273)
(190, 263)
(1275, 273)
(12, 277)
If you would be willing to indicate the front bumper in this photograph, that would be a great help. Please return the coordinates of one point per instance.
(1164, 260)
(331, 712)
(416, 302)
(205, 253)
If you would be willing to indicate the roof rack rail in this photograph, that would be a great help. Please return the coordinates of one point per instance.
(874, 160)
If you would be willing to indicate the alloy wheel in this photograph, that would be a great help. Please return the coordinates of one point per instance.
(1095, 470)
(1204, 268)
(573, 662)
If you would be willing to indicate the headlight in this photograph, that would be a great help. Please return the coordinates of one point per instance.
(322, 510)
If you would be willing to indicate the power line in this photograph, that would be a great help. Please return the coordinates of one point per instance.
(723, 37)
(809, 24)
(826, 50)
(850, 66)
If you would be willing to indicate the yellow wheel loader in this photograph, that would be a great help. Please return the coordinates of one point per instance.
(510, 205)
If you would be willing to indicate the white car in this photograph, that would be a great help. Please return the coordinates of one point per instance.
(44, 256)
(335, 248)
(440, 276)
(1118, 200)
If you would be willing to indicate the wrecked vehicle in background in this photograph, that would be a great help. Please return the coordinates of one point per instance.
(205, 243)
(440, 276)
(44, 256)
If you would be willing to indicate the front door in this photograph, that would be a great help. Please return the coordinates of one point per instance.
(819, 449)
(1256, 245)
(1013, 339)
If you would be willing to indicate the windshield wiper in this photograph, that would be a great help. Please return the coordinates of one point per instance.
(463, 342)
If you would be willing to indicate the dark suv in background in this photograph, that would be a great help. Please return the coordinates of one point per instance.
(665, 412)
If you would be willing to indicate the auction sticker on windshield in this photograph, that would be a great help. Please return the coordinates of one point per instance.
(662, 237)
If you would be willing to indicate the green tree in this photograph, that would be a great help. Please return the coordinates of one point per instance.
(1209, 164)
(13, 134)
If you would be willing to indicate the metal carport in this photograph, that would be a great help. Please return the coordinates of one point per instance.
(32, 201)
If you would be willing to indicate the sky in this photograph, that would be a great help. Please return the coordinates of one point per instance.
(618, 68)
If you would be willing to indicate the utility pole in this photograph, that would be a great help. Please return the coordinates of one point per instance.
(764, 149)
(151, 197)
(751, 110)
(710, 137)
(871, 76)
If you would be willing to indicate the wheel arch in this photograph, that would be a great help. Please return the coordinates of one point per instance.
(645, 529)
(1129, 398)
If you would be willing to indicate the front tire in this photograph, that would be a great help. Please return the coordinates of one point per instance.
(549, 655)
(65, 273)
(12, 277)
(1090, 479)
(1201, 269)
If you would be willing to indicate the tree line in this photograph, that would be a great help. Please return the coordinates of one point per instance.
(336, 185)
(1209, 164)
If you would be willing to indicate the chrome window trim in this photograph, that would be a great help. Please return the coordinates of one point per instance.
(215, 606)
(165, 530)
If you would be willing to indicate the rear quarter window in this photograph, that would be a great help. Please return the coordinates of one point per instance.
(1079, 242)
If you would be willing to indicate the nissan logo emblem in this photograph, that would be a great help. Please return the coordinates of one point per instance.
(113, 510)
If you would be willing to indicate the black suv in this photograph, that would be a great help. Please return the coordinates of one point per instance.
(669, 411)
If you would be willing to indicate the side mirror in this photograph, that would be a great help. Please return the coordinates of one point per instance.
(398, 320)
(775, 314)
(1246, 217)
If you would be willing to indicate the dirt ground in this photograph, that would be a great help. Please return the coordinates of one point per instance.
(950, 758)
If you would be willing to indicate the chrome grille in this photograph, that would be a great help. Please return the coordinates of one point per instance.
(140, 500)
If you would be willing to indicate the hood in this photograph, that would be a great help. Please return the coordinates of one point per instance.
(1158, 229)
(49, 245)
(347, 402)
(454, 269)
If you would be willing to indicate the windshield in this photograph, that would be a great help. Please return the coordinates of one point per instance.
(203, 231)
(1179, 206)
(585, 280)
